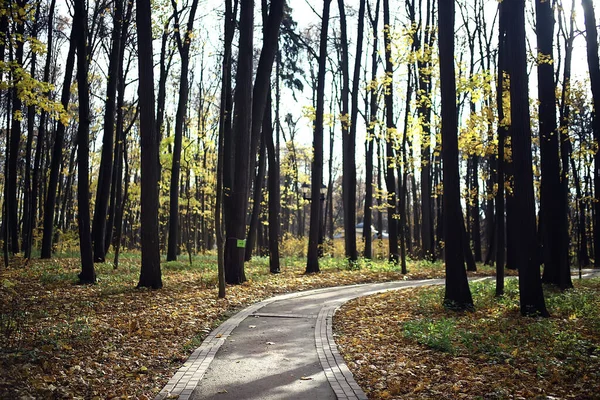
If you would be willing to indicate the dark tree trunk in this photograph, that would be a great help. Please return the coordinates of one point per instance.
(88, 274)
(57, 154)
(424, 112)
(554, 223)
(106, 160)
(150, 274)
(262, 87)
(591, 38)
(274, 195)
(242, 124)
(225, 150)
(372, 92)
(28, 216)
(389, 146)
(15, 140)
(527, 255)
(457, 295)
(312, 262)
(183, 44)
(259, 179)
(349, 130)
(502, 131)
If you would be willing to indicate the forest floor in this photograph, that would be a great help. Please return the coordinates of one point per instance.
(405, 345)
(111, 340)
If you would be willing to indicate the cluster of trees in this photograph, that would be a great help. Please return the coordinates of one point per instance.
(458, 162)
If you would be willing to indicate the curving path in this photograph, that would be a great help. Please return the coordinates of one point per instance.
(279, 349)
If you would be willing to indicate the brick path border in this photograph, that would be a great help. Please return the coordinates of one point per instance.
(182, 384)
(339, 376)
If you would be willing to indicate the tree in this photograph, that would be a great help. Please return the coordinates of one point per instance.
(57, 154)
(591, 38)
(553, 198)
(183, 44)
(312, 262)
(390, 127)
(502, 133)
(88, 274)
(106, 163)
(526, 246)
(457, 295)
(260, 96)
(237, 200)
(370, 145)
(150, 275)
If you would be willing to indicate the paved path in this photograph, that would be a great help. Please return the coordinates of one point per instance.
(279, 349)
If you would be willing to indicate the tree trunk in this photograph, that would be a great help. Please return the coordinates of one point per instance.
(242, 124)
(57, 154)
(312, 263)
(368, 219)
(183, 44)
(88, 274)
(526, 257)
(553, 204)
(591, 38)
(106, 160)
(274, 195)
(457, 295)
(390, 131)
(150, 274)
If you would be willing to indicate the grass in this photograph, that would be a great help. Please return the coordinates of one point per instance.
(63, 340)
(492, 352)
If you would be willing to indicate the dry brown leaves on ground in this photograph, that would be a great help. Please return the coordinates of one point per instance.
(110, 340)
(405, 345)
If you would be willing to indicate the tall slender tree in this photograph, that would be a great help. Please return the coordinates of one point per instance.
(591, 38)
(390, 127)
(237, 199)
(106, 161)
(457, 294)
(88, 274)
(370, 145)
(150, 274)
(312, 262)
(527, 258)
(184, 42)
(553, 198)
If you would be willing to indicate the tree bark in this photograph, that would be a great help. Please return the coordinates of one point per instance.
(88, 274)
(526, 257)
(553, 202)
(457, 294)
(312, 262)
(591, 38)
(242, 125)
(150, 274)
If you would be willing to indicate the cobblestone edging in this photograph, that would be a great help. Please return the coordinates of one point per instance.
(182, 384)
(341, 380)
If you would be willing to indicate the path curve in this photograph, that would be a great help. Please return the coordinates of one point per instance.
(285, 369)
(281, 348)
